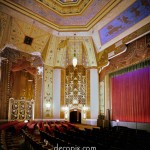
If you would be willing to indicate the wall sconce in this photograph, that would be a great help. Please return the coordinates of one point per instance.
(40, 70)
(74, 61)
(66, 111)
(85, 109)
(117, 123)
(48, 105)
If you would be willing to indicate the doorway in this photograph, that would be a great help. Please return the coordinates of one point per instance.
(75, 116)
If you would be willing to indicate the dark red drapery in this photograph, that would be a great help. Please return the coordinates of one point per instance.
(131, 96)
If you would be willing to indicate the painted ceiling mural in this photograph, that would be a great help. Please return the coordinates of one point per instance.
(132, 15)
(94, 8)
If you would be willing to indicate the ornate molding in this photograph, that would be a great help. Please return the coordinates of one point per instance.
(137, 51)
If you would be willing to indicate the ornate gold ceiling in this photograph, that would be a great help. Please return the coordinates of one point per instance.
(66, 7)
(56, 51)
(68, 1)
(62, 15)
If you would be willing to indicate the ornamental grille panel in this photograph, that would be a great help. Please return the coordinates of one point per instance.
(75, 86)
(21, 109)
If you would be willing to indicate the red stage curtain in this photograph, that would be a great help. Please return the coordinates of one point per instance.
(131, 96)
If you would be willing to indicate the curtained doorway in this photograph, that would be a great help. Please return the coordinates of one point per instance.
(75, 116)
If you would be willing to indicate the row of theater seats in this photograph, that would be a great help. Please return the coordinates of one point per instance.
(49, 135)
(119, 138)
(32, 143)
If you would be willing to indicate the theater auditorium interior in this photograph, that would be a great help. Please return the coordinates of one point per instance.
(75, 74)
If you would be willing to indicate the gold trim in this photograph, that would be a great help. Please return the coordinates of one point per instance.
(58, 67)
(68, 3)
(61, 28)
(62, 100)
(102, 13)
(67, 14)
(88, 101)
(92, 67)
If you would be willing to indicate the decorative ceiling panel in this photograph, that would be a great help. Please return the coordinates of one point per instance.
(132, 15)
(50, 56)
(68, 1)
(68, 8)
(19, 30)
(95, 10)
(91, 54)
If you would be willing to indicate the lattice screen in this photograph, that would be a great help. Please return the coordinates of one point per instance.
(75, 85)
(21, 109)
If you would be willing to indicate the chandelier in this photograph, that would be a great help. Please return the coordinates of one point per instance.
(74, 61)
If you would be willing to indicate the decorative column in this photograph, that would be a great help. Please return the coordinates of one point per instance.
(48, 92)
(94, 96)
(56, 93)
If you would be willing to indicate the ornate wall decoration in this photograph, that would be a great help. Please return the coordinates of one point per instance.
(88, 92)
(95, 8)
(136, 12)
(75, 87)
(21, 109)
(136, 52)
(61, 53)
(4, 23)
(19, 30)
(75, 48)
(102, 57)
(91, 53)
(20, 61)
(51, 51)
(48, 92)
(63, 7)
(102, 98)
(62, 101)
(4, 90)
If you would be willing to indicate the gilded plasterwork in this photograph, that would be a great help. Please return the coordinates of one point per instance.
(75, 49)
(62, 101)
(102, 57)
(68, 1)
(102, 98)
(136, 52)
(65, 8)
(51, 51)
(20, 29)
(91, 55)
(46, 16)
(75, 86)
(88, 92)
(80, 47)
(60, 59)
(4, 23)
(48, 92)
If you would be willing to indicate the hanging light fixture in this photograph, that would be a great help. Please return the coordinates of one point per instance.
(74, 61)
